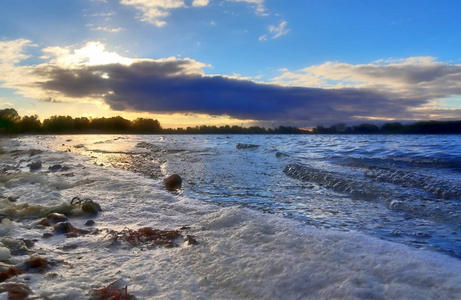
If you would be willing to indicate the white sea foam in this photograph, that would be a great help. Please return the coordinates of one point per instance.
(242, 254)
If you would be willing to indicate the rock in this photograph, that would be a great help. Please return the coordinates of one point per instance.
(63, 227)
(190, 239)
(79, 146)
(55, 168)
(35, 165)
(56, 218)
(47, 235)
(173, 182)
(91, 207)
(12, 199)
(5, 253)
(246, 146)
(44, 222)
(90, 223)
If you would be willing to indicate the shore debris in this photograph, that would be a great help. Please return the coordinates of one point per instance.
(15, 290)
(173, 182)
(8, 271)
(87, 205)
(36, 263)
(146, 236)
(111, 292)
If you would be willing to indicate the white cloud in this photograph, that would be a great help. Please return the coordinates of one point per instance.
(107, 29)
(413, 77)
(200, 2)
(275, 31)
(263, 38)
(26, 79)
(279, 30)
(152, 11)
(12, 52)
(93, 53)
(108, 14)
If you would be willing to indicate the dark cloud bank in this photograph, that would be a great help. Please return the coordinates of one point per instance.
(170, 87)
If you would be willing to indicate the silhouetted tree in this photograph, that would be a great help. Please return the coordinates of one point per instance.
(365, 129)
(59, 124)
(9, 119)
(141, 125)
(30, 124)
(82, 125)
(392, 128)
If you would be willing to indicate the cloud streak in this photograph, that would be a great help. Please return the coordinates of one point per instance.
(275, 31)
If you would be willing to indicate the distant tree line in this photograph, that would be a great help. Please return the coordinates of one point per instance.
(423, 127)
(12, 123)
(204, 129)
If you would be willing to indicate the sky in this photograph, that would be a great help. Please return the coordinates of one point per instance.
(246, 62)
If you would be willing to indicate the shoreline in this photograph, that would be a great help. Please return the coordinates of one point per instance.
(240, 253)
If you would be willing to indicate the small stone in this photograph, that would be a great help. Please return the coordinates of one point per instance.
(56, 218)
(54, 168)
(45, 222)
(12, 199)
(63, 227)
(190, 239)
(29, 243)
(72, 234)
(4, 276)
(173, 182)
(91, 207)
(89, 223)
(35, 165)
(47, 235)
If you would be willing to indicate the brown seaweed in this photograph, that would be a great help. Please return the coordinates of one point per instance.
(146, 236)
(111, 292)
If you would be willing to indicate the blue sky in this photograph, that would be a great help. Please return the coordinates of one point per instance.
(189, 62)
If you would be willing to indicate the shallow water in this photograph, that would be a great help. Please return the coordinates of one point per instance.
(302, 216)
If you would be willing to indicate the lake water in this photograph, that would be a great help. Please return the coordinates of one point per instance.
(305, 216)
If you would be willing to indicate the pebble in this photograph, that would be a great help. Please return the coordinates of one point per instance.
(47, 235)
(56, 218)
(63, 227)
(55, 168)
(172, 182)
(35, 165)
(90, 223)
